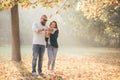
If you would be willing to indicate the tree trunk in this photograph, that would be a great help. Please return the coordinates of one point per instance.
(16, 56)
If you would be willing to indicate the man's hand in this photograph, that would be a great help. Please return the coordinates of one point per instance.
(39, 30)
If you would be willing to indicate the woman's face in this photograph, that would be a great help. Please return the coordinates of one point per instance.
(52, 25)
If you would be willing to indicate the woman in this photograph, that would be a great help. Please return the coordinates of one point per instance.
(52, 46)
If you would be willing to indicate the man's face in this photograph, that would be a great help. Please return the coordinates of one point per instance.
(43, 20)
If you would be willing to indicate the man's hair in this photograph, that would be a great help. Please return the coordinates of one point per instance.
(44, 16)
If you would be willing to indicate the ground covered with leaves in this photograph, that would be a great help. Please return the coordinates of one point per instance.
(105, 66)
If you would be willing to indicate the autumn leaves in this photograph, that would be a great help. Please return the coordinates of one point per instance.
(93, 9)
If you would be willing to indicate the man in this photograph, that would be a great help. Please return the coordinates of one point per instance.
(38, 44)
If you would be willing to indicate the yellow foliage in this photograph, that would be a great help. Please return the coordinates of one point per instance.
(108, 29)
(94, 9)
(7, 4)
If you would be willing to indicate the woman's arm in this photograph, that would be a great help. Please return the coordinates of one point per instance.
(55, 35)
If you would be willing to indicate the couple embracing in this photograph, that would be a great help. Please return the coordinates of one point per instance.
(44, 37)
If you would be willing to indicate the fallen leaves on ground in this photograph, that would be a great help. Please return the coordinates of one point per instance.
(71, 67)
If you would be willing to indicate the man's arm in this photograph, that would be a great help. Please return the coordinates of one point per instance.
(35, 28)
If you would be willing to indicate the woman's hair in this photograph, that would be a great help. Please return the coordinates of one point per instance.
(55, 24)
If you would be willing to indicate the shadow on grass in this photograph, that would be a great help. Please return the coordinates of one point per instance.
(27, 75)
(24, 72)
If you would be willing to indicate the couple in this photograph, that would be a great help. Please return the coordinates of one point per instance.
(44, 36)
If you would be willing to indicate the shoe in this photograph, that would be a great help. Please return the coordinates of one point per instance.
(34, 74)
(48, 72)
(41, 74)
(52, 73)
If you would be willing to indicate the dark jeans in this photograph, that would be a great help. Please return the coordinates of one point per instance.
(38, 51)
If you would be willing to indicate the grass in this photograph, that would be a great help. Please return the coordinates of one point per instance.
(73, 63)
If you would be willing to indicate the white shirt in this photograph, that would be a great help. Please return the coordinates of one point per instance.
(38, 38)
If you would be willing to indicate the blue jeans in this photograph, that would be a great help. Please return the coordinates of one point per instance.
(52, 52)
(38, 51)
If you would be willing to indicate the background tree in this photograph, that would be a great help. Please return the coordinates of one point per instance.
(105, 15)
